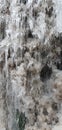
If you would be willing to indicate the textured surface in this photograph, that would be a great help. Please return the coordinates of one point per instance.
(30, 65)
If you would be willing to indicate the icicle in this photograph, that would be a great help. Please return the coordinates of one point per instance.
(17, 22)
(6, 62)
(6, 69)
(21, 53)
(4, 2)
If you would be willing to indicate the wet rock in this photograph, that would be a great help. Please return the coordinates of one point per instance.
(18, 53)
(54, 106)
(59, 65)
(58, 87)
(2, 30)
(1, 65)
(24, 50)
(44, 53)
(58, 61)
(49, 11)
(45, 111)
(56, 41)
(23, 1)
(30, 35)
(10, 52)
(56, 120)
(11, 64)
(45, 73)
(35, 13)
(21, 120)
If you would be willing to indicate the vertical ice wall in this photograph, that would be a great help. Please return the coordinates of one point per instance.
(29, 52)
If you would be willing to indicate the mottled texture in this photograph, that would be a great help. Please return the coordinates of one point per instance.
(30, 65)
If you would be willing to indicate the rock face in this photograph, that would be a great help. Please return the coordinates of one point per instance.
(30, 65)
